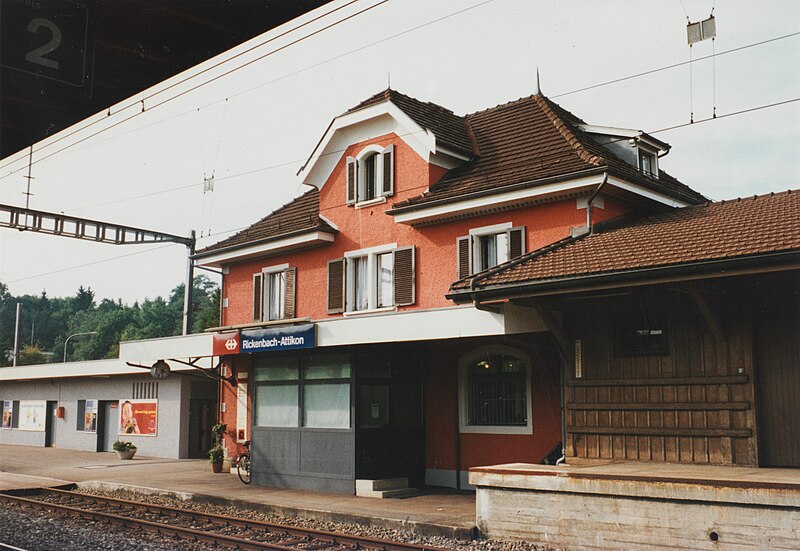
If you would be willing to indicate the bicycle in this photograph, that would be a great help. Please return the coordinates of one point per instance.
(243, 464)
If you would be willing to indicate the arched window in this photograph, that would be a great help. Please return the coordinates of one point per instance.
(370, 175)
(495, 392)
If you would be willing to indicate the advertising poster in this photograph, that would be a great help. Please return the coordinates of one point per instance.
(90, 416)
(8, 411)
(241, 412)
(32, 415)
(138, 417)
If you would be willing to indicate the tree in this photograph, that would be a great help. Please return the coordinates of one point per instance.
(31, 354)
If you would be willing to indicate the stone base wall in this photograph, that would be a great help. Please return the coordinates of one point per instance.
(592, 521)
(624, 507)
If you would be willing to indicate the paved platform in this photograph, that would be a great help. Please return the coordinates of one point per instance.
(434, 512)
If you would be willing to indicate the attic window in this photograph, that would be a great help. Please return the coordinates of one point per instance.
(370, 175)
(647, 163)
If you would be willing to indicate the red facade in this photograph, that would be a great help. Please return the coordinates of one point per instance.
(449, 447)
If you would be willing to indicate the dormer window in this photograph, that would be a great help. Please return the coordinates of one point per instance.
(647, 163)
(370, 175)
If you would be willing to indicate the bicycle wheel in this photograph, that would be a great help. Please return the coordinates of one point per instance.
(243, 468)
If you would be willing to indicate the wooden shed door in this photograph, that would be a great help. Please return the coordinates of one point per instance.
(778, 378)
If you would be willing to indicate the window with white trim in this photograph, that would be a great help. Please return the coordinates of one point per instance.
(495, 391)
(370, 175)
(274, 293)
(487, 247)
(648, 163)
(371, 279)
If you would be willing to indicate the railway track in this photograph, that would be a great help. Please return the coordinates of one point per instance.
(216, 530)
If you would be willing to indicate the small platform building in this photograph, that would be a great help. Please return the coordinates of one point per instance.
(681, 371)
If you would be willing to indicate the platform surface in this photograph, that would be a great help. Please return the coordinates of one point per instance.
(437, 512)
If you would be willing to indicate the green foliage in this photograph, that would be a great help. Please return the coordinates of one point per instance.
(46, 322)
(120, 446)
(216, 455)
(31, 355)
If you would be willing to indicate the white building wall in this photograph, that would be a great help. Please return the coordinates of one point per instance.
(173, 412)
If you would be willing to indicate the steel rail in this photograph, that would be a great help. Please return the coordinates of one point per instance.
(357, 542)
(158, 529)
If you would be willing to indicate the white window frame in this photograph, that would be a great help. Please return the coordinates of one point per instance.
(464, 364)
(475, 234)
(654, 157)
(265, 289)
(371, 253)
(361, 180)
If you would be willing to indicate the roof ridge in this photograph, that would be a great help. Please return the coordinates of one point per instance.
(501, 105)
(567, 132)
(387, 94)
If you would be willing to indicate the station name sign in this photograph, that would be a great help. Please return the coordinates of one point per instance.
(265, 340)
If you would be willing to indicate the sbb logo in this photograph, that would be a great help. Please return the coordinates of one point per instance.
(231, 344)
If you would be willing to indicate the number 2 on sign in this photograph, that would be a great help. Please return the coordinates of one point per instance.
(38, 55)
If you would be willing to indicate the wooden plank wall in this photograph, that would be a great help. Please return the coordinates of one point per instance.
(693, 405)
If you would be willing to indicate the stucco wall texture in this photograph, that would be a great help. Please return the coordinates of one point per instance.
(435, 245)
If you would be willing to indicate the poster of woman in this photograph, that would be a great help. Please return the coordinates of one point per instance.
(8, 413)
(90, 416)
(138, 417)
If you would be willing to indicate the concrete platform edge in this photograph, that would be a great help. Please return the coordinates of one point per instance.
(421, 528)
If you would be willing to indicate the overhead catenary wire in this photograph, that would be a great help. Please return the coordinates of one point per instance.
(674, 65)
(152, 249)
(141, 101)
(338, 151)
(257, 87)
(147, 108)
(458, 12)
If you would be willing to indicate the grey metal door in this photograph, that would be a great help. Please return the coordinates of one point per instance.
(109, 426)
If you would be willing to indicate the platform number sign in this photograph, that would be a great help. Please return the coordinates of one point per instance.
(47, 38)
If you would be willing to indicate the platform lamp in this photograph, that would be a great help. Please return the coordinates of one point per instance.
(75, 335)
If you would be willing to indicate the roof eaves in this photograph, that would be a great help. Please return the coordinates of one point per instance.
(486, 192)
(725, 267)
(208, 251)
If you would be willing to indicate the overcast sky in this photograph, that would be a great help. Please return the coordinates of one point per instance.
(254, 127)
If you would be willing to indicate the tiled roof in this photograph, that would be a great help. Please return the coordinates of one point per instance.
(301, 214)
(709, 232)
(533, 139)
(450, 129)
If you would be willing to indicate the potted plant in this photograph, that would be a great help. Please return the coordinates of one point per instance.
(125, 450)
(216, 454)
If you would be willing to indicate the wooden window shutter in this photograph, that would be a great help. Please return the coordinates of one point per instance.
(463, 249)
(258, 297)
(80, 416)
(352, 173)
(516, 242)
(404, 276)
(388, 171)
(289, 293)
(336, 286)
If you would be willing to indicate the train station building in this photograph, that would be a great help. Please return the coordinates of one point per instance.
(351, 361)
(467, 301)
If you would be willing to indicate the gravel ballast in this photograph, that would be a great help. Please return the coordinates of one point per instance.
(37, 530)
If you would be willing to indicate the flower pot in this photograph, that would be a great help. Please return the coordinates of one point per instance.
(216, 467)
(127, 454)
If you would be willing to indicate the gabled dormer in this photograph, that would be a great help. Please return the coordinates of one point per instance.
(440, 137)
(637, 148)
(534, 151)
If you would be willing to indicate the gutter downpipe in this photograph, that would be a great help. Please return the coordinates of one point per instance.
(590, 228)
(590, 203)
